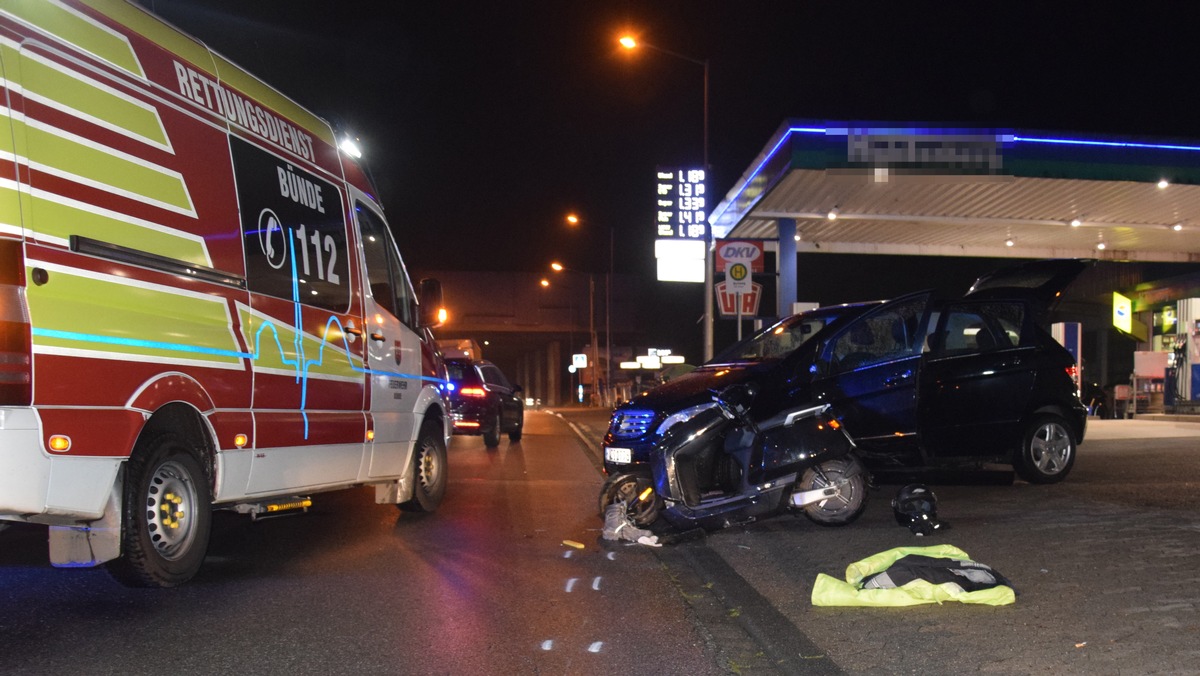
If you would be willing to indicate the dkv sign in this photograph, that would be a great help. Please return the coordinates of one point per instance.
(739, 260)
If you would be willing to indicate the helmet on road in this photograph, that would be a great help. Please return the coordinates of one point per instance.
(915, 506)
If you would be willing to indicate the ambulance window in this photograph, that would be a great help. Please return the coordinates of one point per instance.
(293, 230)
(385, 273)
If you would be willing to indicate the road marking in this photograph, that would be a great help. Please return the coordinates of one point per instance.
(571, 584)
(595, 647)
(548, 644)
(596, 583)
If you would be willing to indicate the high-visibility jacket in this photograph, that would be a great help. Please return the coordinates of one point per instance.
(917, 580)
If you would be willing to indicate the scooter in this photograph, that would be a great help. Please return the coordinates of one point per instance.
(720, 467)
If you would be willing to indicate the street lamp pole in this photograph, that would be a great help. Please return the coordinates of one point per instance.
(574, 219)
(630, 42)
(595, 356)
(608, 318)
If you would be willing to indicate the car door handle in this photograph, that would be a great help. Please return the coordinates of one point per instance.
(378, 337)
(897, 379)
(353, 330)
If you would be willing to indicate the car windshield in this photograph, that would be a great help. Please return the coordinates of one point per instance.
(780, 340)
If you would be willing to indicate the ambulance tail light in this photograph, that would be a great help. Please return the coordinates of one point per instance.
(473, 392)
(16, 373)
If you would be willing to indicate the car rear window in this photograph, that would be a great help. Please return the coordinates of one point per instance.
(460, 371)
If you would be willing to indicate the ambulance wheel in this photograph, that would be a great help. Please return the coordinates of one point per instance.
(1047, 450)
(848, 505)
(429, 470)
(626, 488)
(166, 515)
(491, 436)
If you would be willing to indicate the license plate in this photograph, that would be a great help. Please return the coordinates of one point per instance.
(619, 456)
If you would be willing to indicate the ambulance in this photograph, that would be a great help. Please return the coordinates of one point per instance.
(201, 303)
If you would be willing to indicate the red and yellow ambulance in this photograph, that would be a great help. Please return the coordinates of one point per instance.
(201, 303)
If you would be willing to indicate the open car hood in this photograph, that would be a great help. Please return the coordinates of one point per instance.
(1040, 281)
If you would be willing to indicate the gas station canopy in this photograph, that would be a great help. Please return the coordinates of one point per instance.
(908, 190)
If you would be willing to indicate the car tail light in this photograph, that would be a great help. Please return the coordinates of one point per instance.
(473, 392)
(15, 364)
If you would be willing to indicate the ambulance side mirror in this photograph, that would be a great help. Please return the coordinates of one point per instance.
(429, 296)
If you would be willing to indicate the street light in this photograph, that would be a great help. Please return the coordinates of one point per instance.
(631, 42)
(559, 267)
(574, 219)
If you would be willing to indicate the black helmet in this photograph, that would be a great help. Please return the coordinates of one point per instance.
(915, 506)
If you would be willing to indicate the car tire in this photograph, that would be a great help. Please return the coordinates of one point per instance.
(429, 470)
(628, 487)
(1047, 451)
(166, 515)
(852, 499)
(491, 436)
(514, 435)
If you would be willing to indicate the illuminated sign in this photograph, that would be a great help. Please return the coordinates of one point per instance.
(681, 204)
(925, 151)
(1168, 319)
(1122, 313)
(679, 260)
(747, 251)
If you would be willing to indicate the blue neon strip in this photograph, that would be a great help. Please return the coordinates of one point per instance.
(1107, 144)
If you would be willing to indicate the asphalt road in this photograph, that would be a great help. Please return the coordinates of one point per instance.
(1105, 565)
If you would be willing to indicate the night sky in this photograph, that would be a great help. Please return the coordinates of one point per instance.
(485, 122)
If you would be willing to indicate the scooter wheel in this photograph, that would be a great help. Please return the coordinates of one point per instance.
(628, 488)
(848, 505)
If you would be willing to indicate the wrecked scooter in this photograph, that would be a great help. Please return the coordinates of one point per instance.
(720, 467)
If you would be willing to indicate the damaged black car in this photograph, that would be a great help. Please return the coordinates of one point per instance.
(920, 384)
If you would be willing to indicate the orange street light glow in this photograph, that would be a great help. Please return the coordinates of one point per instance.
(628, 42)
(557, 267)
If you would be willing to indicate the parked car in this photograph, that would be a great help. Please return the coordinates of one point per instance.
(484, 402)
(919, 383)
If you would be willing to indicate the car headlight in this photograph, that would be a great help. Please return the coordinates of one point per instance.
(683, 416)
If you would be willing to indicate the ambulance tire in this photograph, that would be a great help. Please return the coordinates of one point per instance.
(166, 515)
(851, 500)
(429, 470)
(491, 436)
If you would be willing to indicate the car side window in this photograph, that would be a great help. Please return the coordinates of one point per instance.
(891, 333)
(492, 375)
(982, 327)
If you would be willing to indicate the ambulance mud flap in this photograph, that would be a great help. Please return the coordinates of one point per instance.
(92, 544)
